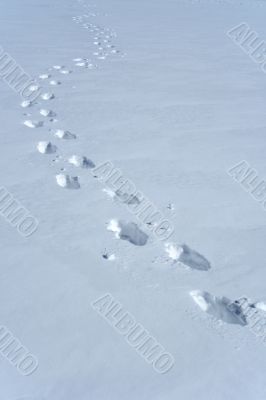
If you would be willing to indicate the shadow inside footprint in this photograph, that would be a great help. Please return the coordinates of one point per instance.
(219, 307)
(194, 259)
(127, 198)
(187, 256)
(128, 231)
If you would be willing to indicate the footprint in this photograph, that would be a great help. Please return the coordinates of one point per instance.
(46, 147)
(58, 67)
(65, 71)
(44, 76)
(82, 162)
(55, 83)
(47, 113)
(61, 134)
(185, 255)
(260, 306)
(34, 88)
(66, 181)
(127, 198)
(26, 103)
(122, 196)
(219, 307)
(81, 64)
(128, 231)
(33, 124)
(109, 193)
(47, 96)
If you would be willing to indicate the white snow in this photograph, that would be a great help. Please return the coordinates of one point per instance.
(173, 103)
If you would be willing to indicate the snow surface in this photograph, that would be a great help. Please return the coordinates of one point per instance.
(159, 89)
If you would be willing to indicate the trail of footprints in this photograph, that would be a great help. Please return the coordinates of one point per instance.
(52, 80)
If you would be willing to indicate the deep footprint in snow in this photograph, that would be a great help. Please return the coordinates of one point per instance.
(81, 161)
(46, 148)
(185, 255)
(128, 231)
(33, 124)
(219, 307)
(66, 181)
(123, 197)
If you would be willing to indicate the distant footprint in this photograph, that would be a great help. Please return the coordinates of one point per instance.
(66, 181)
(44, 76)
(127, 198)
(128, 231)
(47, 96)
(66, 135)
(26, 103)
(53, 82)
(185, 255)
(219, 307)
(65, 71)
(58, 67)
(34, 88)
(46, 148)
(33, 124)
(47, 113)
(123, 197)
(81, 161)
